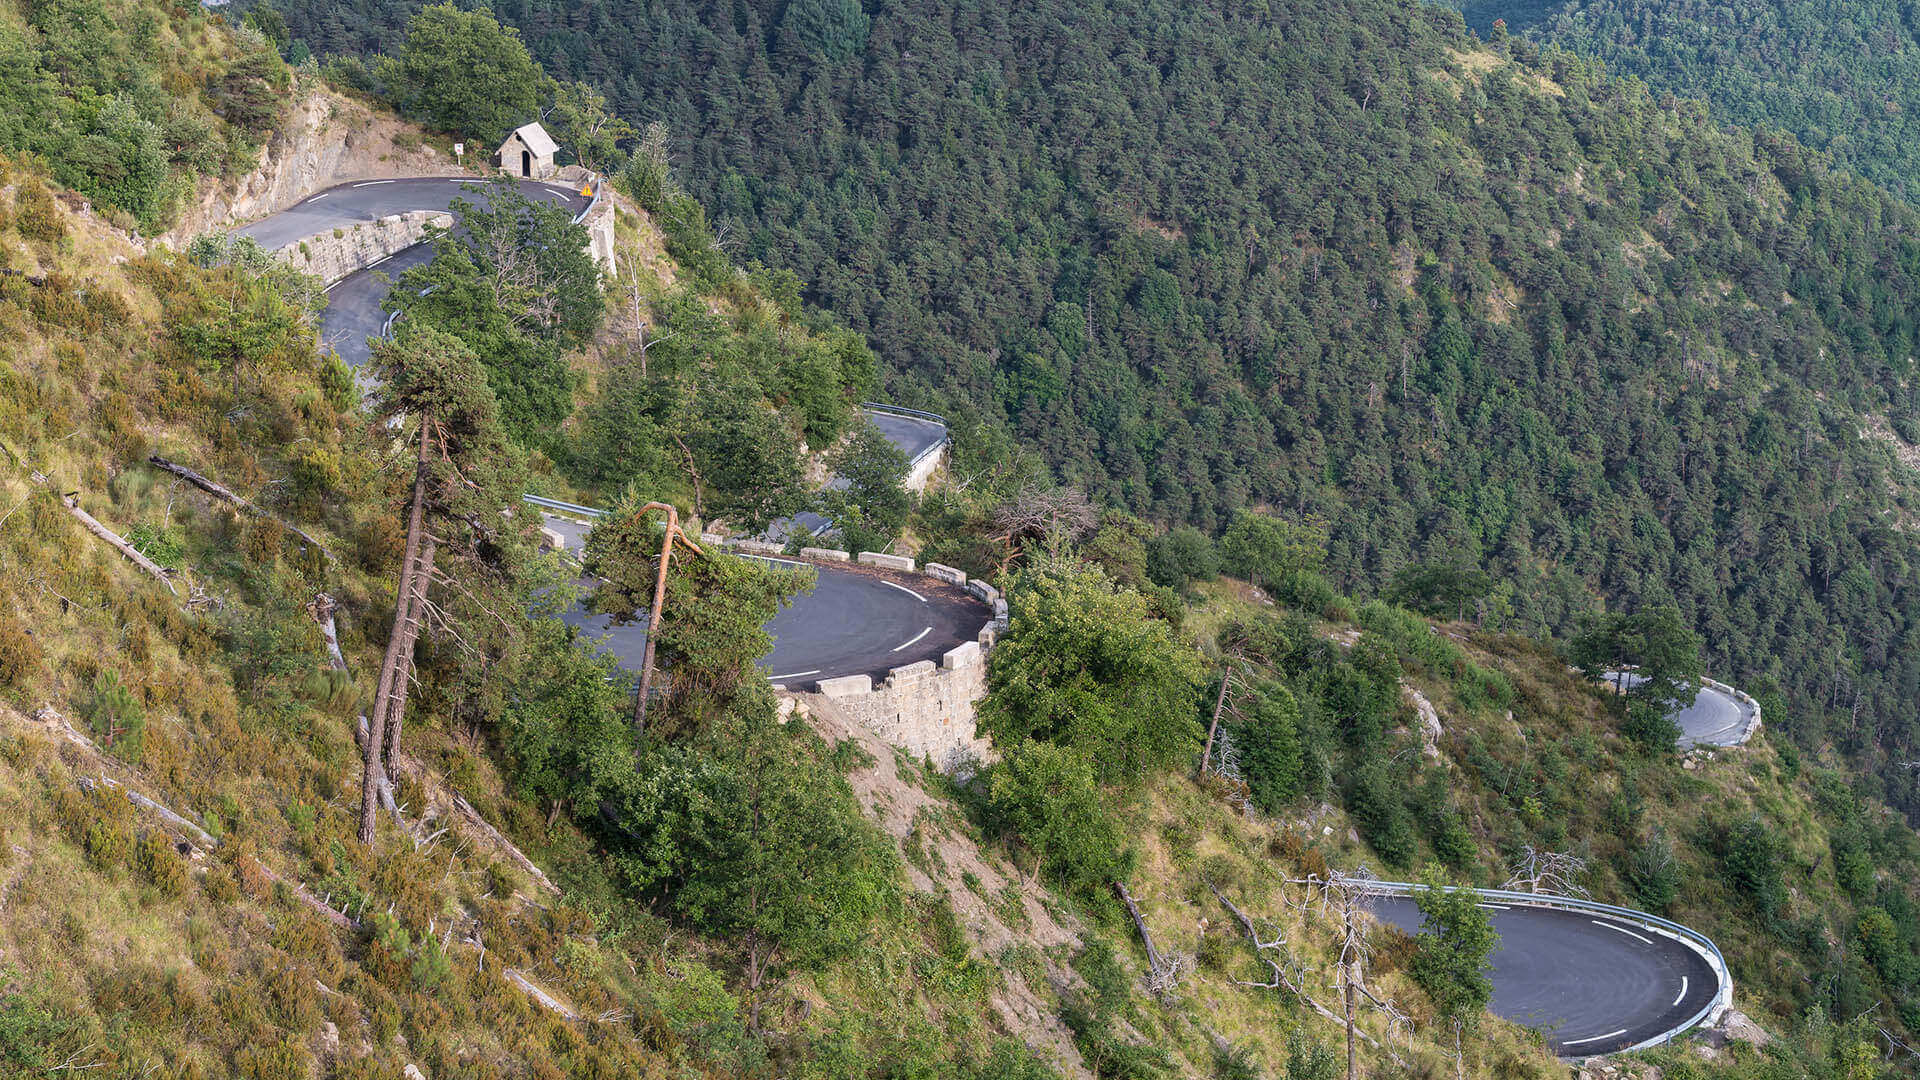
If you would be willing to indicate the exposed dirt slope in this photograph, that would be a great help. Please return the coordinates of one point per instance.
(1001, 912)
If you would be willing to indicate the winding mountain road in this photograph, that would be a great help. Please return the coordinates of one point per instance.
(1592, 984)
(354, 315)
(858, 620)
(1716, 718)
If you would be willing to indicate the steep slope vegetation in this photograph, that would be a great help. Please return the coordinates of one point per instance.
(1347, 262)
(133, 101)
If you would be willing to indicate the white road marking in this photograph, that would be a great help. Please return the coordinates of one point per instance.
(378, 261)
(1494, 907)
(371, 183)
(796, 674)
(330, 287)
(1683, 990)
(909, 592)
(1622, 929)
(1596, 1038)
(320, 196)
(913, 639)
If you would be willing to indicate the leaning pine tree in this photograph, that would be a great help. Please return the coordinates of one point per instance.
(464, 535)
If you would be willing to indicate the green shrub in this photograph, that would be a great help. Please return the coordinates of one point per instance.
(285, 1060)
(35, 216)
(108, 843)
(162, 545)
(162, 864)
(118, 718)
(20, 654)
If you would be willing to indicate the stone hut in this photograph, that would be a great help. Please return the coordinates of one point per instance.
(529, 152)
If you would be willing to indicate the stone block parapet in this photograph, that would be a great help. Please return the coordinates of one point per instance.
(891, 562)
(945, 573)
(335, 253)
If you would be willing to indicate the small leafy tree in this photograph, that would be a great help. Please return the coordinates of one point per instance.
(1652, 873)
(116, 714)
(567, 732)
(1047, 796)
(874, 471)
(1087, 666)
(746, 459)
(1750, 859)
(1269, 742)
(1182, 555)
(749, 833)
(1656, 643)
(517, 285)
(1266, 549)
(717, 608)
(583, 123)
(1455, 951)
(1439, 588)
(464, 73)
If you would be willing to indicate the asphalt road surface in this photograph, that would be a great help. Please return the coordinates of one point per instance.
(353, 314)
(371, 200)
(912, 434)
(1591, 985)
(1714, 719)
(857, 621)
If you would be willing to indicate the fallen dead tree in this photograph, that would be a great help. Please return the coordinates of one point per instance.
(480, 824)
(540, 995)
(1345, 894)
(228, 495)
(72, 502)
(1280, 978)
(200, 838)
(1163, 973)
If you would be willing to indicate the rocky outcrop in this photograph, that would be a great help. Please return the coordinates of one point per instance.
(1429, 719)
(324, 139)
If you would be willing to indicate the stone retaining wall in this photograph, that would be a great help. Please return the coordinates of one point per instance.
(921, 473)
(598, 218)
(334, 254)
(924, 708)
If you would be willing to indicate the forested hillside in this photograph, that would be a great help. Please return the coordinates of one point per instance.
(1842, 75)
(1346, 262)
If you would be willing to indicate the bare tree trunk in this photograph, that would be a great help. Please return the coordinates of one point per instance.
(1139, 925)
(228, 495)
(322, 607)
(1346, 999)
(1219, 703)
(373, 773)
(397, 701)
(132, 553)
(653, 624)
(1163, 975)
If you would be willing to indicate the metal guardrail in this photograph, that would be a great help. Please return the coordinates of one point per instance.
(900, 410)
(564, 507)
(1723, 996)
(917, 414)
